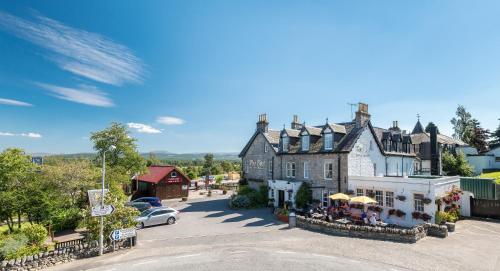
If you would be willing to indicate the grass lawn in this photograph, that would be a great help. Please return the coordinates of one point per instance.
(495, 175)
(5, 229)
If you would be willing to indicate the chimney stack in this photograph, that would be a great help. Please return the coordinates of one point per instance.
(262, 124)
(362, 115)
(295, 123)
(395, 126)
(435, 152)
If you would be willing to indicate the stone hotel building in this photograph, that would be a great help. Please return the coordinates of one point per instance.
(325, 156)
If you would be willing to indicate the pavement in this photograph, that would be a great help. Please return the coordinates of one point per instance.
(210, 236)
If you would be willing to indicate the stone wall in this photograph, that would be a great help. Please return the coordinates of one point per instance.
(51, 258)
(378, 233)
(256, 162)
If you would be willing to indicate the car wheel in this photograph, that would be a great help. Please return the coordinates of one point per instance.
(141, 226)
(170, 220)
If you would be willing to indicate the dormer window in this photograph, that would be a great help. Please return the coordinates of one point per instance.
(305, 142)
(284, 143)
(328, 141)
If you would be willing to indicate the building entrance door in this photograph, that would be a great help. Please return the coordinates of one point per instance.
(281, 198)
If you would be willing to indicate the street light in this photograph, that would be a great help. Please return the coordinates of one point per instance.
(101, 232)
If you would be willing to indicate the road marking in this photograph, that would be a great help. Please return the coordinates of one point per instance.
(146, 262)
(237, 252)
(186, 256)
(285, 252)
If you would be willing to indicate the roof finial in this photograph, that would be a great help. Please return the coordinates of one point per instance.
(418, 116)
(327, 120)
(284, 126)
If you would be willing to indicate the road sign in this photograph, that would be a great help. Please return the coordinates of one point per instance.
(102, 210)
(121, 234)
(95, 196)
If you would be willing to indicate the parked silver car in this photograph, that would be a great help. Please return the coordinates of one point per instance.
(157, 216)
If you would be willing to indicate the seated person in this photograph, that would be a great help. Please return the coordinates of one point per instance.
(373, 219)
(364, 218)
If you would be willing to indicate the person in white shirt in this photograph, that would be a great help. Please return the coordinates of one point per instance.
(373, 219)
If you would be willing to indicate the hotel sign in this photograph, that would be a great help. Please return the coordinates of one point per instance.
(174, 180)
(256, 164)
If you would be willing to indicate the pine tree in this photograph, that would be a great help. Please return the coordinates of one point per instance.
(495, 138)
(463, 125)
(480, 136)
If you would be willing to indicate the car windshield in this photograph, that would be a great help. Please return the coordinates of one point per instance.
(147, 212)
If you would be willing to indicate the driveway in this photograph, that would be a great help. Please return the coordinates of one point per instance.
(210, 236)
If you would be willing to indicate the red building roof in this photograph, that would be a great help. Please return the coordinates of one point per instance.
(157, 173)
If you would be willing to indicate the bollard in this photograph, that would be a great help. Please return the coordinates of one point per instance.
(292, 219)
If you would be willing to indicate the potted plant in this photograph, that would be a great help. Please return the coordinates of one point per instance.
(400, 213)
(416, 215)
(392, 212)
(425, 217)
(282, 215)
(427, 201)
(401, 198)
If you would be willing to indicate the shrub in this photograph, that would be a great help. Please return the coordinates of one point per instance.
(401, 198)
(263, 195)
(35, 233)
(66, 219)
(240, 202)
(425, 217)
(245, 190)
(11, 245)
(400, 213)
(304, 196)
(416, 215)
(392, 212)
(441, 217)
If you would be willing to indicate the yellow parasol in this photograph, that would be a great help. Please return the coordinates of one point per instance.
(363, 199)
(339, 196)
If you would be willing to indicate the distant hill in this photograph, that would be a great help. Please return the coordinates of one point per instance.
(161, 155)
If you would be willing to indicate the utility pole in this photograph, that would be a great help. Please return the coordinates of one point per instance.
(352, 109)
(101, 230)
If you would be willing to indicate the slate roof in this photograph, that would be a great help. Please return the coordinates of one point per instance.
(313, 130)
(443, 139)
(336, 128)
(418, 129)
(157, 173)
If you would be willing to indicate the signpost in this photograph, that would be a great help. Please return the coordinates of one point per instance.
(121, 234)
(95, 196)
(102, 210)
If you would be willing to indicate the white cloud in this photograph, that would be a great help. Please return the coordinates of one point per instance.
(30, 135)
(13, 102)
(85, 94)
(83, 53)
(143, 128)
(170, 120)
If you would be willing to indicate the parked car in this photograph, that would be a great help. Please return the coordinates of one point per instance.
(157, 216)
(154, 201)
(141, 206)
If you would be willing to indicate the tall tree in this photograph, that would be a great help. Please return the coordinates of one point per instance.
(208, 164)
(122, 162)
(495, 138)
(462, 125)
(480, 136)
(454, 165)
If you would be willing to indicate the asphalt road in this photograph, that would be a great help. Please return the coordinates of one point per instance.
(209, 236)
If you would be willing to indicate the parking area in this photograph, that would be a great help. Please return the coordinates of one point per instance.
(210, 236)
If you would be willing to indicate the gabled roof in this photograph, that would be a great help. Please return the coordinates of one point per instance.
(157, 173)
(336, 128)
(418, 128)
(290, 132)
(315, 131)
(272, 137)
(443, 139)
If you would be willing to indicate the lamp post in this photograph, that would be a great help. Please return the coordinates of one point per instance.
(101, 231)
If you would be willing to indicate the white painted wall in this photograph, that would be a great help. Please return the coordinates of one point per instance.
(275, 185)
(481, 162)
(466, 150)
(495, 153)
(362, 158)
(430, 188)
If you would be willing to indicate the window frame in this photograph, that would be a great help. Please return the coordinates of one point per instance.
(325, 170)
(266, 148)
(305, 142)
(379, 197)
(290, 169)
(329, 146)
(418, 203)
(306, 169)
(358, 190)
(173, 174)
(284, 143)
(389, 203)
(270, 168)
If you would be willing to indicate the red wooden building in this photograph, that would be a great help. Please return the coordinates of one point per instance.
(164, 182)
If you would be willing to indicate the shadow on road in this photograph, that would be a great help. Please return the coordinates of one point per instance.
(220, 208)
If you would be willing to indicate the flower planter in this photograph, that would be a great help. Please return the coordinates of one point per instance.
(282, 218)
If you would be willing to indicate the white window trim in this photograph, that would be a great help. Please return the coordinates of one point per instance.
(266, 148)
(306, 176)
(382, 200)
(385, 198)
(324, 170)
(290, 168)
(285, 144)
(329, 147)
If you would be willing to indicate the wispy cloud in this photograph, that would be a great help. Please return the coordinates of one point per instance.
(30, 135)
(14, 102)
(80, 52)
(143, 128)
(85, 94)
(170, 120)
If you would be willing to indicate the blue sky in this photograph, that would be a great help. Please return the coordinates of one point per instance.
(192, 76)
